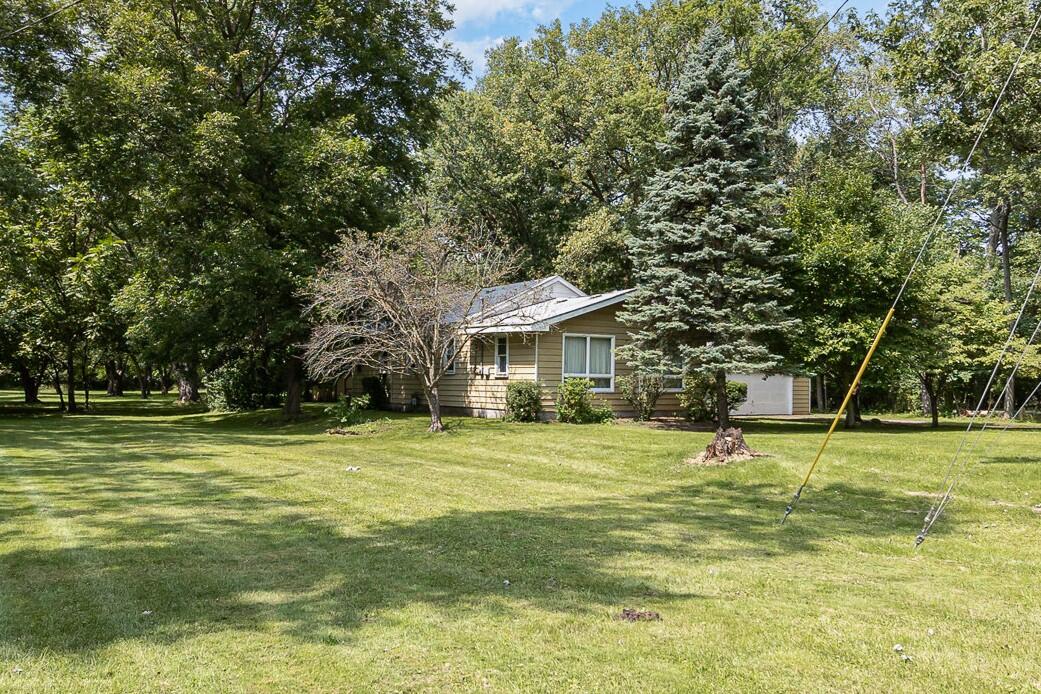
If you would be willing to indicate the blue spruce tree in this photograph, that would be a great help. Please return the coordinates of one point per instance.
(706, 255)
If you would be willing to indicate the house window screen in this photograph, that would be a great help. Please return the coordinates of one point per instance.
(574, 355)
(449, 357)
(502, 356)
(592, 357)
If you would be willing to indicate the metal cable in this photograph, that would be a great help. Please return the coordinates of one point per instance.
(42, 19)
(914, 265)
(951, 477)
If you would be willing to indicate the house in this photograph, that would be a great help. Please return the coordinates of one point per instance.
(548, 330)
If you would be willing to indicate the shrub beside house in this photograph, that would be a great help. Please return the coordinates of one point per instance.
(546, 331)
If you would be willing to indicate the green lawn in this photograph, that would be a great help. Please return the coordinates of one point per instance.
(146, 548)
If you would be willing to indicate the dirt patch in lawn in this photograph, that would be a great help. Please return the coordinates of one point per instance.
(630, 615)
(677, 424)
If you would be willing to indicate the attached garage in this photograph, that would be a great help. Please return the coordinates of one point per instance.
(774, 395)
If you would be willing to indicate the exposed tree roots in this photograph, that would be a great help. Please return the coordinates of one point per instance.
(727, 446)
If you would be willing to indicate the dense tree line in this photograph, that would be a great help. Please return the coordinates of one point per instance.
(556, 147)
(174, 170)
(172, 173)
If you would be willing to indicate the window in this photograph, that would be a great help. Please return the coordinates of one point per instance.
(502, 356)
(592, 357)
(449, 357)
(672, 383)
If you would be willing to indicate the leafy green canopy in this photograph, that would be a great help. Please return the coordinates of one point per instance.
(553, 148)
(709, 295)
(223, 145)
(854, 240)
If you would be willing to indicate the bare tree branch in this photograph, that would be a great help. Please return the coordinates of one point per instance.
(399, 302)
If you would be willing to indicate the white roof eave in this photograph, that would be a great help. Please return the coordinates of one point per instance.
(539, 327)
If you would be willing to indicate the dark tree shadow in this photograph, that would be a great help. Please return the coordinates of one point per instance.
(817, 425)
(1012, 459)
(206, 551)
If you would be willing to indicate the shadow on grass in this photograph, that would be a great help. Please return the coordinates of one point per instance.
(102, 405)
(1012, 460)
(816, 425)
(207, 551)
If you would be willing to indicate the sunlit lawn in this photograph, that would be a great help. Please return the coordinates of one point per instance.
(145, 548)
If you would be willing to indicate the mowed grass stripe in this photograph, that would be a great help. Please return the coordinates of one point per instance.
(271, 568)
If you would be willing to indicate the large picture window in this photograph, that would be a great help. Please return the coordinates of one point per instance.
(592, 357)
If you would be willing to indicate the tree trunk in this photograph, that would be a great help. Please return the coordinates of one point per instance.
(144, 375)
(1002, 213)
(86, 378)
(165, 380)
(922, 179)
(853, 409)
(57, 389)
(294, 386)
(434, 402)
(929, 399)
(30, 384)
(187, 382)
(70, 374)
(728, 444)
(722, 404)
(994, 232)
(114, 378)
(821, 405)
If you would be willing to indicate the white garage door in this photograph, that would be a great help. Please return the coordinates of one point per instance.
(770, 395)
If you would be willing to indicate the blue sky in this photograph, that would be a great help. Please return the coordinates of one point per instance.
(480, 24)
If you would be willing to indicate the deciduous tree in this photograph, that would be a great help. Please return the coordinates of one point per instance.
(398, 302)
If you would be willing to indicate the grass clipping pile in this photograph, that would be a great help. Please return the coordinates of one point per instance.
(727, 446)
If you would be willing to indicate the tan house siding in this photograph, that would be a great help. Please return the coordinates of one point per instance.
(801, 395)
(400, 389)
(475, 389)
(551, 368)
(474, 386)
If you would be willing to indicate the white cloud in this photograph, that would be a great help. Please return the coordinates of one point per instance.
(474, 50)
(483, 24)
(473, 11)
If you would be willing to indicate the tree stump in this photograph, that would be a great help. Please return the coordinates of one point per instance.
(727, 446)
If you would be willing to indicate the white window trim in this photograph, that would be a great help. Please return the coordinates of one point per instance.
(451, 355)
(564, 375)
(674, 390)
(537, 357)
(495, 357)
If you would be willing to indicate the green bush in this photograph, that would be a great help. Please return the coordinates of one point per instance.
(376, 389)
(237, 386)
(642, 392)
(348, 411)
(576, 405)
(523, 401)
(698, 397)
